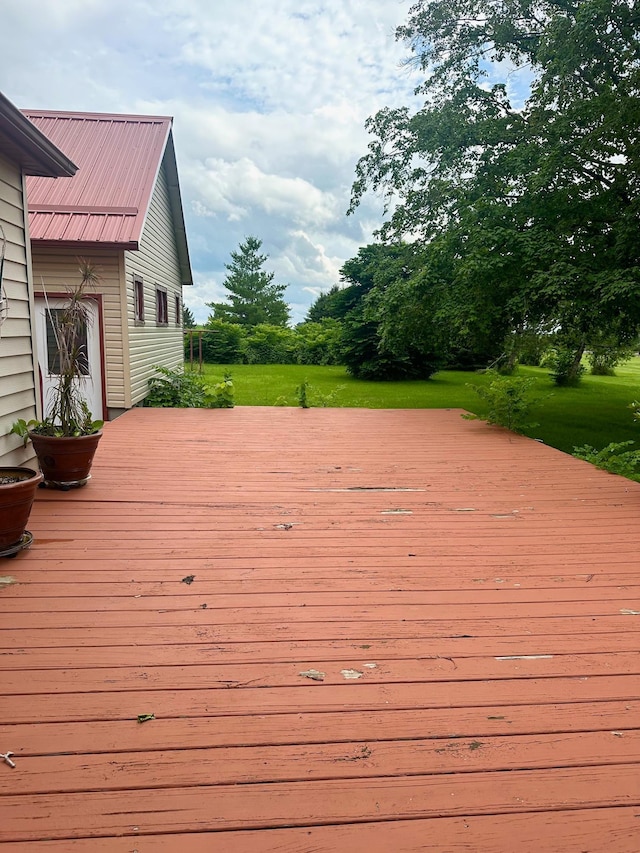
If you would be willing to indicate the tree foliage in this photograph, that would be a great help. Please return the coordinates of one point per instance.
(383, 336)
(232, 343)
(223, 343)
(335, 304)
(537, 206)
(188, 320)
(253, 298)
(319, 343)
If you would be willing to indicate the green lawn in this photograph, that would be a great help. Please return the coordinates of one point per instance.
(594, 413)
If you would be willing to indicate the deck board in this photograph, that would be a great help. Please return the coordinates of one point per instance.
(472, 598)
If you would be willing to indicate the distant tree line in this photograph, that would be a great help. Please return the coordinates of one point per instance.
(233, 343)
(374, 323)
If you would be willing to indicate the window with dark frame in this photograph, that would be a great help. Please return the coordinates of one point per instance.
(138, 299)
(162, 308)
(53, 352)
(178, 311)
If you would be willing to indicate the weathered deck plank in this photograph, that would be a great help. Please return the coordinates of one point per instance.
(472, 598)
(312, 803)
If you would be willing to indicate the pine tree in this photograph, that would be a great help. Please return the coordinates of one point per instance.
(188, 320)
(253, 299)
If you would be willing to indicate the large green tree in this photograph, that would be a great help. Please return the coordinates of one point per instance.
(253, 298)
(372, 348)
(538, 206)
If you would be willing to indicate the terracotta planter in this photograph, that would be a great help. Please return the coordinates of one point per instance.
(16, 499)
(65, 462)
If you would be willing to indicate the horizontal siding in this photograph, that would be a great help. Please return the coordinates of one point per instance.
(19, 401)
(16, 365)
(17, 391)
(157, 263)
(13, 345)
(57, 269)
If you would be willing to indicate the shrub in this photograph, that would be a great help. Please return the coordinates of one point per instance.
(565, 370)
(366, 356)
(319, 343)
(612, 458)
(307, 396)
(301, 394)
(508, 405)
(174, 389)
(222, 343)
(220, 395)
(266, 344)
(603, 358)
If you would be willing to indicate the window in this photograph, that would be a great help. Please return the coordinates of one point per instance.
(53, 352)
(178, 311)
(138, 299)
(162, 309)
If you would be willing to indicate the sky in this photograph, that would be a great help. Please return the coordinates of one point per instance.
(269, 102)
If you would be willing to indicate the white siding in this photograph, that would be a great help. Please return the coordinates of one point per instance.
(157, 263)
(55, 270)
(17, 391)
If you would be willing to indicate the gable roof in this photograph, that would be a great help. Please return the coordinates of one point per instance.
(24, 144)
(107, 202)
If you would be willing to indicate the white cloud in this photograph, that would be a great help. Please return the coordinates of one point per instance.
(269, 103)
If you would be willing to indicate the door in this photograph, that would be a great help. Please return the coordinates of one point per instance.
(90, 385)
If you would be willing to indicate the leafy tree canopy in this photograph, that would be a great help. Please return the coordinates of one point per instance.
(335, 304)
(383, 337)
(253, 299)
(538, 207)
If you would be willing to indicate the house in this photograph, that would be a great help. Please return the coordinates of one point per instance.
(24, 150)
(122, 212)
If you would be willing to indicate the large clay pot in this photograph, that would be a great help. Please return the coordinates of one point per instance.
(65, 462)
(16, 499)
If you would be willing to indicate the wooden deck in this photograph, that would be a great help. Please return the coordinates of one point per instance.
(471, 598)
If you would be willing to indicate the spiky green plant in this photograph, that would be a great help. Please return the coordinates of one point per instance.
(67, 413)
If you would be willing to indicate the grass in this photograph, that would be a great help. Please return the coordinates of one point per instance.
(596, 412)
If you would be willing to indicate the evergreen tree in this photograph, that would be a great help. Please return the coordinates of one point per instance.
(253, 299)
(188, 320)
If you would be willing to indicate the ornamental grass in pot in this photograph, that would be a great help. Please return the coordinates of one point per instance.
(66, 439)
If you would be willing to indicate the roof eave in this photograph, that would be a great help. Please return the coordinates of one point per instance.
(168, 160)
(177, 213)
(35, 153)
(131, 246)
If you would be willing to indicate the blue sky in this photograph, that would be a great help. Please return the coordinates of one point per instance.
(269, 102)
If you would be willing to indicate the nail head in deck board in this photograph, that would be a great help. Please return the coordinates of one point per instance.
(549, 584)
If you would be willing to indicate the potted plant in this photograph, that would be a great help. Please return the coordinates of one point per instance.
(66, 439)
(17, 492)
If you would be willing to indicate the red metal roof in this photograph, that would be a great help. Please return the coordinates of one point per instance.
(118, 158)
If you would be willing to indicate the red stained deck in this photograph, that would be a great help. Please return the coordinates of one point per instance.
(472, 598)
